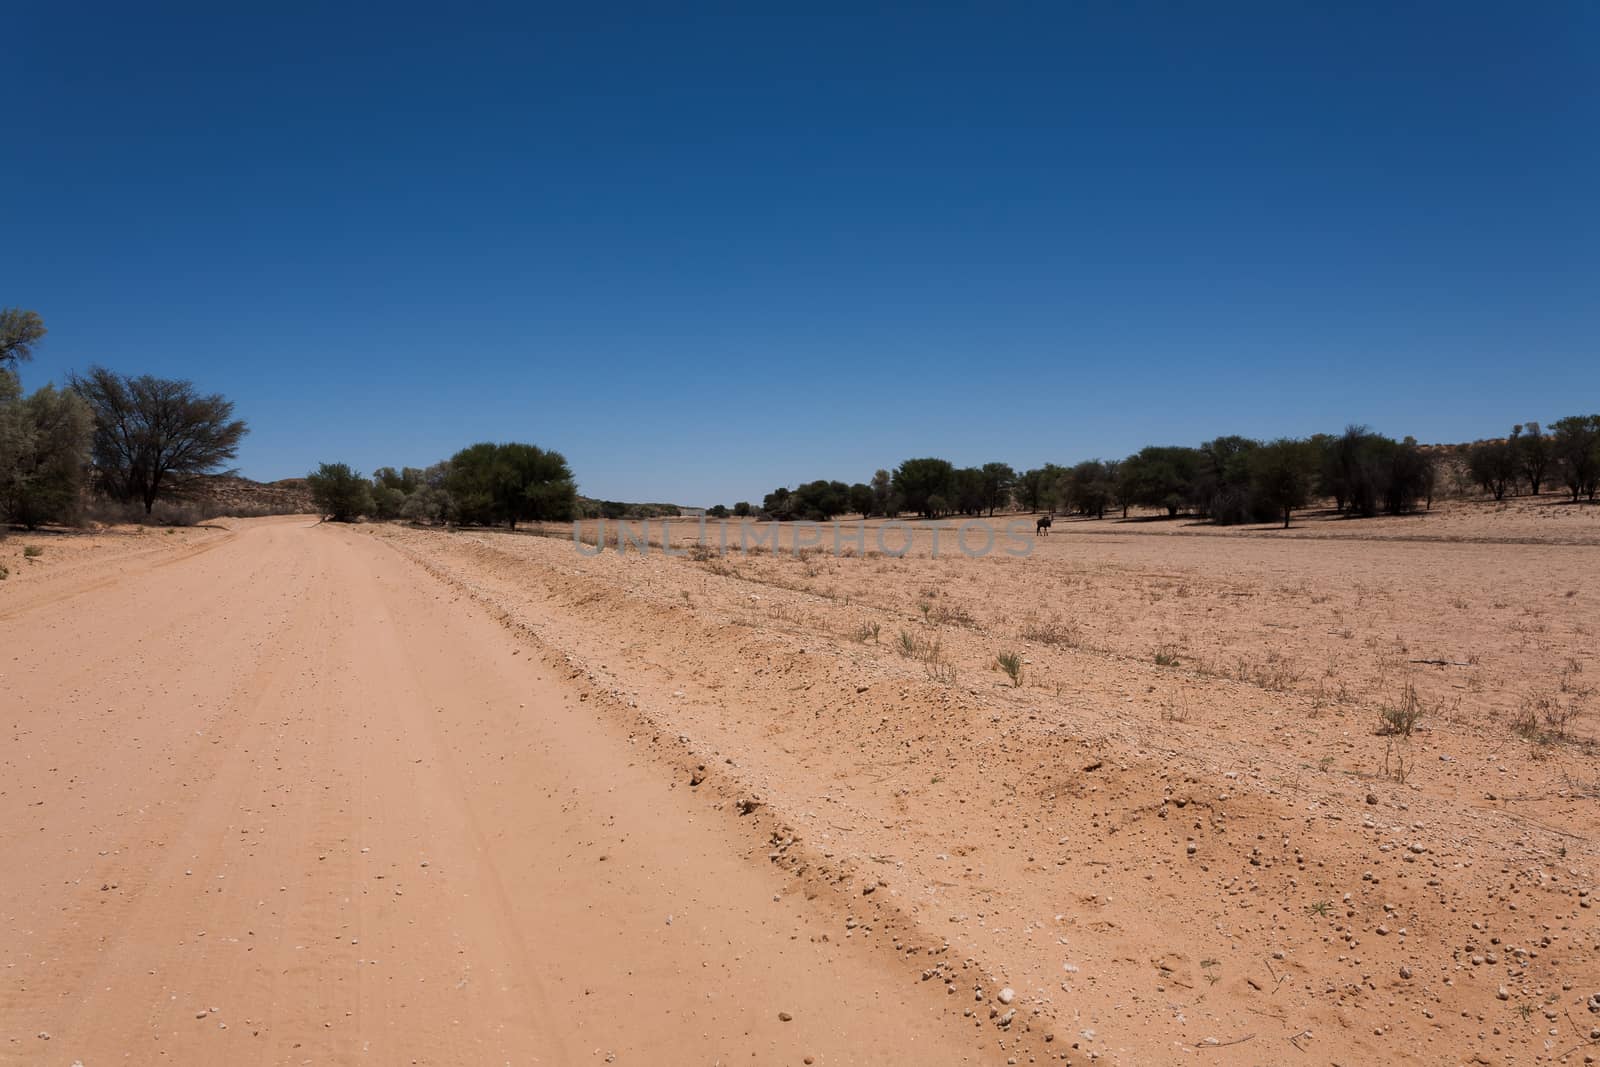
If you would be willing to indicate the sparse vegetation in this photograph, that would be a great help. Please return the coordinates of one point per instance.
(1053, 632)
(1011, 663)
(1401, 717)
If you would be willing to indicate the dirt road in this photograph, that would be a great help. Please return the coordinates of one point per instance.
(279, 796)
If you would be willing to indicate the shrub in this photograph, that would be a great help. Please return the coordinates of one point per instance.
(387, 501)
(1400, 718)
(1011, 663)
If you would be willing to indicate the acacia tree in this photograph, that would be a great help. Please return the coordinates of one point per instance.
(1575, 443)
(1161, 476)
(998, 481)
(340, 492)
(19, 330)
(149, 430)
(493, 483)
(918, 481)
(1038, 488)
(1533, 453)
(1282, 475)
(862, 499)
(968, 491)
(1493, 465)
(883, 501)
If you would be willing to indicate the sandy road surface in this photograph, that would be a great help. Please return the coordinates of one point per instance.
(278, 796)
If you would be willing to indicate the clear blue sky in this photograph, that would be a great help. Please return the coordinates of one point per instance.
(707, 251)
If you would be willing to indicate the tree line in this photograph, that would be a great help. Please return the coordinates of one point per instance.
(1227, 480)
(1529, 458)
(128, 439)
(485, 484)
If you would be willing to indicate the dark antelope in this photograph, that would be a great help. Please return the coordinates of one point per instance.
(1043, 525)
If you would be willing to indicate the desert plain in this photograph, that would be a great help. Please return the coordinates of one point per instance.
(281, 791)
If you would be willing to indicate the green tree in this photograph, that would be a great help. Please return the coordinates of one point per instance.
(44, 447)
(1222, 482)
(430, 501)
(1366, 472)
(718, 511)
(917, 481)
(742, 509)
(1283, 474)
(1533, 453)
(883, 498)
(1162, 476)
(510, 483)
(970, 494)
(999, 479)
(778, 505)
(339, 492)
(149, 431)
(387, 502)
(1089, 488)
(1575, 447)
(405, 480)
(1039, 488)
(862, 499)
(19, 331)
(1493, 465)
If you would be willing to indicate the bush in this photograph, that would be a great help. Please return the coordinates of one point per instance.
(387, 501)
(428, 504)
(339, 492)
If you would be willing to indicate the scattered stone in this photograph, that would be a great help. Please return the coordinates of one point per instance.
(1007, 995)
